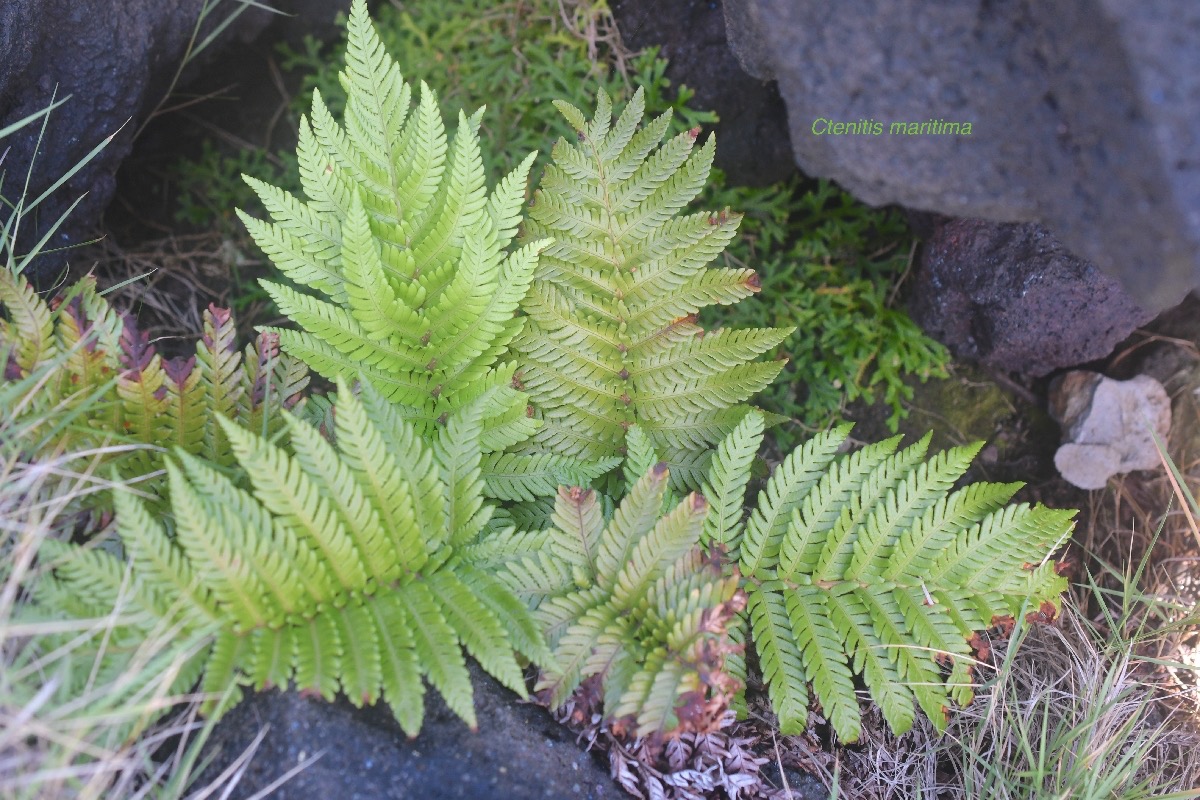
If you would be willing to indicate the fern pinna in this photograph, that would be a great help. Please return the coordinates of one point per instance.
(631, 603)
(347, 567)
(871, 565)
(612, 339)
(95, 380)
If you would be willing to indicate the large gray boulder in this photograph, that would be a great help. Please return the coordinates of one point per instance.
(1085, 115)
(115, 60)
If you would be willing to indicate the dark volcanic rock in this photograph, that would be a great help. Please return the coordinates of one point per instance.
(519, 753)
(1084, 115)
(116, 61)
(752, 136)
(1012, 297)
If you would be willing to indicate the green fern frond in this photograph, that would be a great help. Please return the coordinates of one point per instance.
(408, 253)
(348, 567)
(611, 339)
(630, 601)
(109, 386)
(869, 565)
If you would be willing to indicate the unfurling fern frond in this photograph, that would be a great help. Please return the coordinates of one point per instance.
(612, 339)
(106, 385)
(872, 565)
(344, 567)
(632, 603)
(406, 253)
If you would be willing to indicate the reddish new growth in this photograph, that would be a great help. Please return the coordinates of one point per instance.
(1044, 615)
(720, 218)
(694, 133)
(82, 323)
(12, 370)
(577, 494)
(754, 282)
(518, 381)
(267, 346)
(221, 318)
(178, 369)
(1005, 623)
(623, 374)
(136, 350)
(981, 647)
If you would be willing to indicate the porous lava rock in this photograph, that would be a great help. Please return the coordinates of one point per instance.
(519, 752)
(115, 61)
(1013, 298)
(1083, 113)
(752, 135)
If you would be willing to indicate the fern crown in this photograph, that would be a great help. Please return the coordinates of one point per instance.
(630, 602)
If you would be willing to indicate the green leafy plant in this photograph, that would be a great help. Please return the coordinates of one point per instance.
(106, 384)
(347, 567)
(411, 256)
(871, 565)
(863, 565)
(612, 339)
(630, 602)
(831, 267)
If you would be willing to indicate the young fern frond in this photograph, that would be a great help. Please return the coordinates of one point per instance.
(405, 254)
(871, 564)
(631, 603)
(612, 340)
(346, 567)
(113, 388)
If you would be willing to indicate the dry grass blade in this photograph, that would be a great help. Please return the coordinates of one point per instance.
(1062, 716)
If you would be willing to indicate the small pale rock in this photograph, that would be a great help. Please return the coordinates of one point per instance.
(1107, 425)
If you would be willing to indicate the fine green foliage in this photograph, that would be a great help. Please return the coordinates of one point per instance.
(871, 565)
(95, 380)
(831, 267)
(612, 339)
(410, 255)
(631, 602)
(344, 568)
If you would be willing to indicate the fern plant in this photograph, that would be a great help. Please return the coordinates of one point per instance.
(346, 567)
(630, 602)
(410, 256)
(612, 339)
(870, 565)
(100, 382)
(864, 565)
